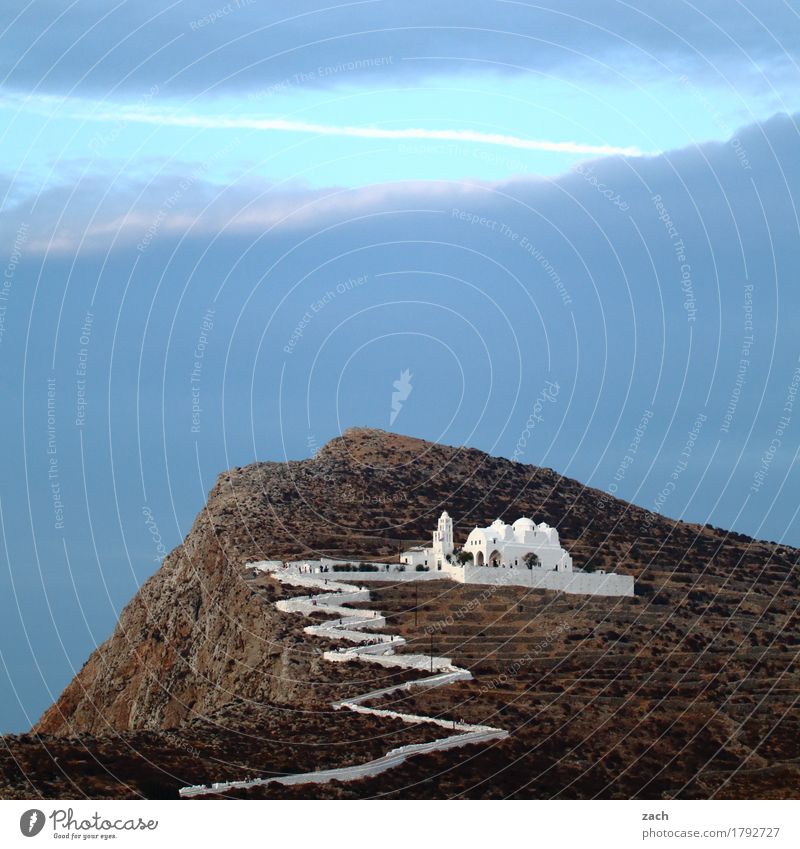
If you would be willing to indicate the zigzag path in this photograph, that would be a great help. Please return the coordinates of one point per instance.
(358, 627)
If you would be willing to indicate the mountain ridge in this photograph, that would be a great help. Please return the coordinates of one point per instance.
(154, 671)
(202, 661)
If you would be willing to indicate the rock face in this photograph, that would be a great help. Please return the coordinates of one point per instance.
(193, 638)
(198, 636)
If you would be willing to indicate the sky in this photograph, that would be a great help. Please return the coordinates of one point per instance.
(228, 229)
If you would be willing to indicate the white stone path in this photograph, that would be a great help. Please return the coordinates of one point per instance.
(370, 648)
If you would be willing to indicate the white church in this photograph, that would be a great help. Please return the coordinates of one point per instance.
(522, 545)
(523, 554)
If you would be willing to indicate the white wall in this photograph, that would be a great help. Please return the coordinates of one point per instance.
(408, 575)
(412, 558)
(579, 583)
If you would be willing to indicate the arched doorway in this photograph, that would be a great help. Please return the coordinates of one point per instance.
(494, 558)
(479, 561)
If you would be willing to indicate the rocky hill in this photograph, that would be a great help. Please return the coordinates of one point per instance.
(200, 654)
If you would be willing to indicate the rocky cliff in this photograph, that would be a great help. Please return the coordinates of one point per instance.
(197, 636)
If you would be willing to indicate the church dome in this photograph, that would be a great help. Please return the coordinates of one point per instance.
(524, 524)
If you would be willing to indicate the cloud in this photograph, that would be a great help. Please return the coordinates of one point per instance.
(103, 213)
(106, 209)
(200, 47)
(223, 122)
(481, 253)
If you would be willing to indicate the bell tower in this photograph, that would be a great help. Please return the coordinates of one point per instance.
(443, 539)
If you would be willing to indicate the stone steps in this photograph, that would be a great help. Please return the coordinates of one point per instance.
(357, 627)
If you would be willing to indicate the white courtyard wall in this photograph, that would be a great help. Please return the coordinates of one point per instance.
(578, 583)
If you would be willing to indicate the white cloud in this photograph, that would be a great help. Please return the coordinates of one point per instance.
(83, 110)
(284, 125)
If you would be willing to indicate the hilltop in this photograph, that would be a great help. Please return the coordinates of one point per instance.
(201, 655)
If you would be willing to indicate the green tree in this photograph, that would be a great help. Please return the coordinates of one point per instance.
(531, 560)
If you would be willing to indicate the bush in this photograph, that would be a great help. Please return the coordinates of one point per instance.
(342, 567)
(367, 567)
(421, 568)
(531, 560)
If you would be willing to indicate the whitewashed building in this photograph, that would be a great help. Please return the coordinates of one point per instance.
(437, 556)
(499, 545)
(503, 554)
(497, 554)
(506, 546)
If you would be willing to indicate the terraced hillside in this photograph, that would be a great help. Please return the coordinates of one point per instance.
(688, 689)
(602, 698)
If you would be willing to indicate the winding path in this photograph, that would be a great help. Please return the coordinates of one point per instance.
(356, 627)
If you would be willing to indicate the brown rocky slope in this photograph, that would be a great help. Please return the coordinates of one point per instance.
(199, 637)
(196, 636)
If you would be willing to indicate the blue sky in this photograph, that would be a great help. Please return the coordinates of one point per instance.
(493, 196)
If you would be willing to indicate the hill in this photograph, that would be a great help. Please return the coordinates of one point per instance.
(611, 692)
